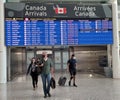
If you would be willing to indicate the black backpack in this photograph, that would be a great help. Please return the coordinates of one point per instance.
(52, 83)
(62, 81)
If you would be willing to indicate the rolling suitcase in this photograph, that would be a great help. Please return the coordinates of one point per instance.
(62, 81)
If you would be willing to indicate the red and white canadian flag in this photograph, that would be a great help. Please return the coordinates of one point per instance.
(60, 10)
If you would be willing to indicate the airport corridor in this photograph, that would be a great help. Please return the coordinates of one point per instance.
(90, 87)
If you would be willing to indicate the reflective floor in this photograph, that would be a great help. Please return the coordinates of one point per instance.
(90, 87)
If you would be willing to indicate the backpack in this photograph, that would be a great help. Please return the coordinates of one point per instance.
(52, 83)
(62, 81)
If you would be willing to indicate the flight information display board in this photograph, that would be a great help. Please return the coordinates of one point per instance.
(58, 32)
(29, 24)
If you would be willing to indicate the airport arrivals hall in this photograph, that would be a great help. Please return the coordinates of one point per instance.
(82, 32)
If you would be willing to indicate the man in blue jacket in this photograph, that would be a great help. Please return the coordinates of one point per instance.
(72, 69)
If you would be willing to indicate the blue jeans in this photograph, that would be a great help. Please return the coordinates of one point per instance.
(46, 83)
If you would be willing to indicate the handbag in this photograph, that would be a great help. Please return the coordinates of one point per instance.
(52, 83)
(39, 70)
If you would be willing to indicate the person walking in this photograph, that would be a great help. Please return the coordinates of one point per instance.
(47, 70)
(33, 73)
(71, 63)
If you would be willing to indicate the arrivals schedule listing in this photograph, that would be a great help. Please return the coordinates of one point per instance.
(30, 32)
(42, 33)
(14, 33)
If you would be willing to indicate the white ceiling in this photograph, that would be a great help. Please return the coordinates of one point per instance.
(67, 0)
(62, 0)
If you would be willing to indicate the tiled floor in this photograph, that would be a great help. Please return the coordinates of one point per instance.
(90, 87)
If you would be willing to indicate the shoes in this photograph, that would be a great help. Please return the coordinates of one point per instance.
(74, 85)
(49, 95)
(45, 96)
(69, 83)
(34, 89)
(36, 86)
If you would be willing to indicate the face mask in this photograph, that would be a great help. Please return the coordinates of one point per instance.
(74, 57)
(43, 56)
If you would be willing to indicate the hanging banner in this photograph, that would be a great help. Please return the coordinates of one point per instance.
(41, 10)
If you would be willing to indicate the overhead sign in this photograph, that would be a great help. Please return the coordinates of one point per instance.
(41, 10)
(34, 24)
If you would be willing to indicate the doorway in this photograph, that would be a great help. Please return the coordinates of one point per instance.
(61, 58)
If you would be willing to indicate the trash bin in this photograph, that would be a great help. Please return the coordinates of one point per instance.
(108, 72)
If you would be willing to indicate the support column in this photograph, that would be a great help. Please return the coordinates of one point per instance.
(3, 60)
(8, 64)
(109, 56)
(115, 46)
